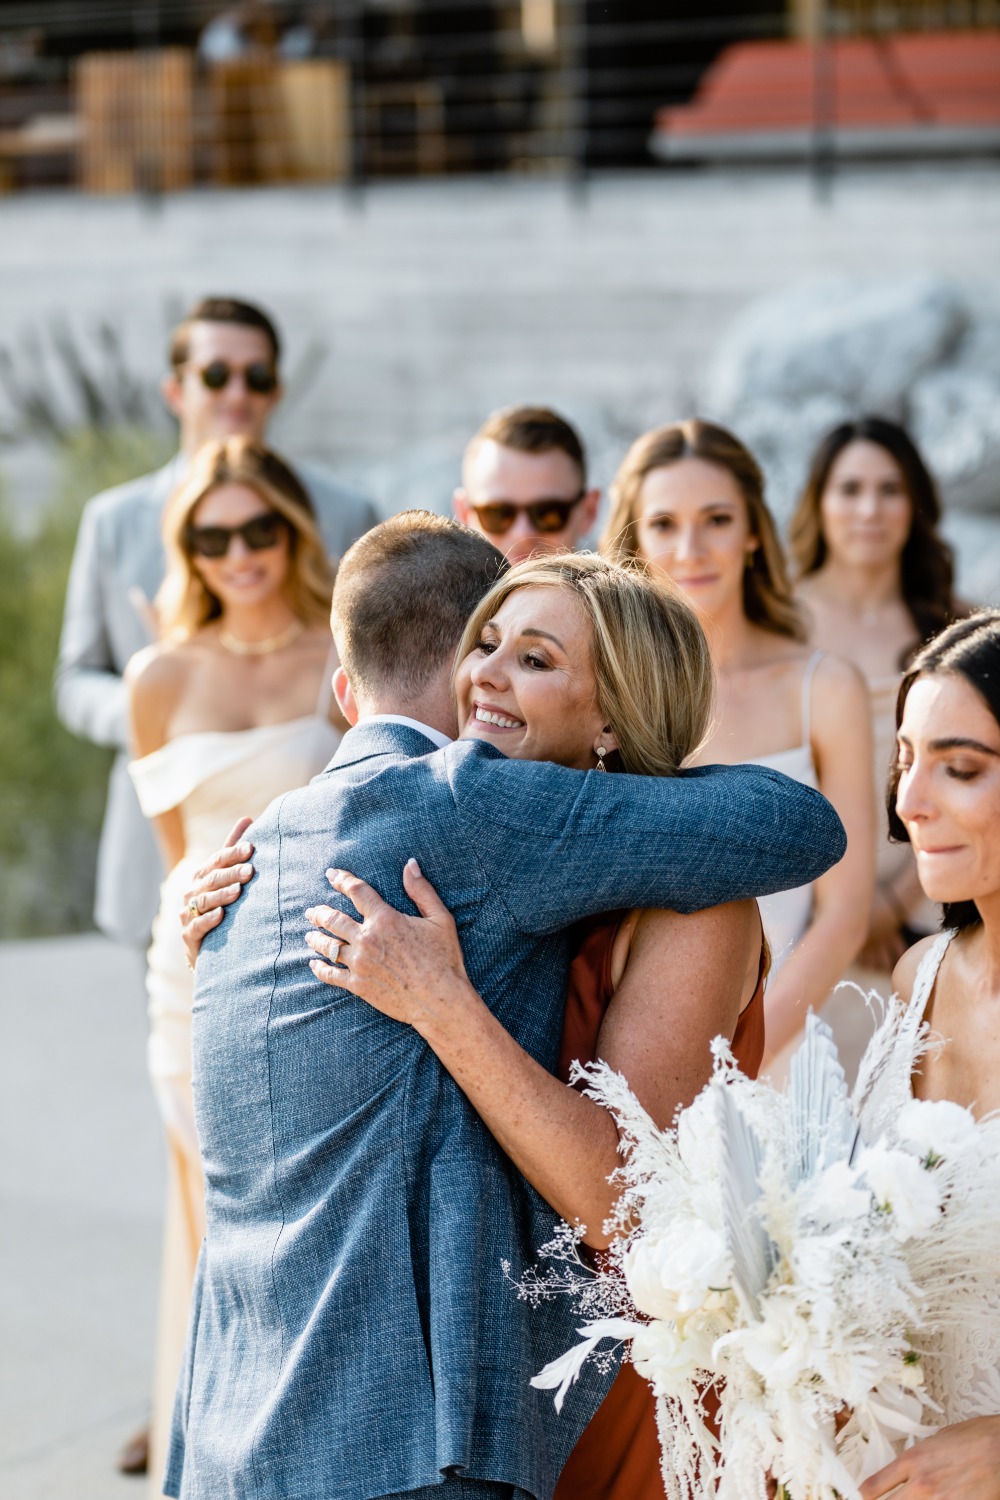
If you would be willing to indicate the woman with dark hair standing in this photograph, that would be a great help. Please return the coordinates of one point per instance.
(944, 799)
(688, 500)
(876, 580)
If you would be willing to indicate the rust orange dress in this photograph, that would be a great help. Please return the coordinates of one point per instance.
(618, 1456)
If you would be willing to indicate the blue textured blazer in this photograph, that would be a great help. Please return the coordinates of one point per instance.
(353, 1330)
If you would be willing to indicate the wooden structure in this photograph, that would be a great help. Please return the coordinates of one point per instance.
(271, 120)
(136, 114)
(316, 105)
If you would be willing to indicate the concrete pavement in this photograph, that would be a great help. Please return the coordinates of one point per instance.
(81, 1183)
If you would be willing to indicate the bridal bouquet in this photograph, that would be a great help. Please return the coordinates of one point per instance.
(781, 1261)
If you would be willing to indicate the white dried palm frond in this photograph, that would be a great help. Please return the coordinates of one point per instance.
(750, 1247)
(821, 1122)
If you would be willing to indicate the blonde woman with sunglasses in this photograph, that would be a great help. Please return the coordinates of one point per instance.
(231, 708)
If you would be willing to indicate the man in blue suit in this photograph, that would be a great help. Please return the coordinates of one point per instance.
(353, 1334)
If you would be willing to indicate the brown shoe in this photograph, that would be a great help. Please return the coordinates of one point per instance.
(134, 1457)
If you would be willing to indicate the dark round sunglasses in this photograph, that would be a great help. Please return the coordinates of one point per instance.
(258, 377)
(497, 516)
(259, 533)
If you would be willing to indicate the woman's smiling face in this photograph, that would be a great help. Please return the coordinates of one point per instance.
(948, 795)
(241, 577)
(528, 686)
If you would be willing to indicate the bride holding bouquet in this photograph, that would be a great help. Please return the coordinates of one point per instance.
(844, 1302)
(945, 801)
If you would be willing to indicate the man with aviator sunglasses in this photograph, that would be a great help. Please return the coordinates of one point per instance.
(223, 381)
(524, 484)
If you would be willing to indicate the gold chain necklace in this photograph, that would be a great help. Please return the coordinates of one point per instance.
(233, 643)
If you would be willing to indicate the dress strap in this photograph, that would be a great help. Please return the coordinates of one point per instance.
(325, 695)
(927, 972)
(807, 682)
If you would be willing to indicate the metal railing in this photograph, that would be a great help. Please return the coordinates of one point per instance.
(161, 95)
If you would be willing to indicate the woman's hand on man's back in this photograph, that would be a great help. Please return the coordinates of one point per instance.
(214, 886)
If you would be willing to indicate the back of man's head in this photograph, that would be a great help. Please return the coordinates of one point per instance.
(527, 429)
(402, 597)
(222, 310)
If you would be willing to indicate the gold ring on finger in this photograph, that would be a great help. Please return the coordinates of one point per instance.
(193, 906)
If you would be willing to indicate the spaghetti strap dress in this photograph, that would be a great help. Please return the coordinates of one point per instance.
(618, 1455)
(213, 777)
(787, 914)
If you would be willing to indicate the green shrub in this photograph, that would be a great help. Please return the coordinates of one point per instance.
(52, 785)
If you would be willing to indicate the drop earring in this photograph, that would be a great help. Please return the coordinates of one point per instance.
(601, 753)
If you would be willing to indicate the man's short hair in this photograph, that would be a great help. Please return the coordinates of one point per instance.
(221, 310)
(402, 596)
(528, 429)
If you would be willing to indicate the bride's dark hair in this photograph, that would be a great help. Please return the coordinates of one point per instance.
(971, 649)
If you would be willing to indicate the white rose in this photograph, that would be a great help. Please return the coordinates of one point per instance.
(670, 1358)
(911, 1374)
(902, 1185)
(698, 1135)
(675, 1272)
(936, 1127)
(778, 1347)
(836, 1195)
(644, 1281)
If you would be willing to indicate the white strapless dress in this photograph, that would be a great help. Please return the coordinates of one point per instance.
(214, 778)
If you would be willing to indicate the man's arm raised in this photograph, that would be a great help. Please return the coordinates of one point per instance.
(587, 842)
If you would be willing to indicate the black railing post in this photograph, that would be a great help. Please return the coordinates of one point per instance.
(824, 105)
(578, 102)
(351, 24)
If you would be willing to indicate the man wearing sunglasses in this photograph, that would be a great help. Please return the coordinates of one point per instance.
(223, 382)
(524, 484)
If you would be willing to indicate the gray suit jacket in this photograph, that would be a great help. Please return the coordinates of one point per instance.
(117, 568)
(353, 1332)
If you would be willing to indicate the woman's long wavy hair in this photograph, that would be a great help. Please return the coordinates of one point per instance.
(653, 671)
(969, 648)
(185, 603)
(767, 592)
(927, 570)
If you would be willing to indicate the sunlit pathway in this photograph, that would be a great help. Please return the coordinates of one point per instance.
(80, 1188)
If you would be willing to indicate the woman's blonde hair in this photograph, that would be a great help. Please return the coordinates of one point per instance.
(652, 667)
(767, 593)
(184, 603)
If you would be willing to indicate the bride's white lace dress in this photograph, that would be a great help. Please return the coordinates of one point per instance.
(961, 1362)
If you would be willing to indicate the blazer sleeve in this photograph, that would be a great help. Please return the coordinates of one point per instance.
(556, 845)
(90, 694)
